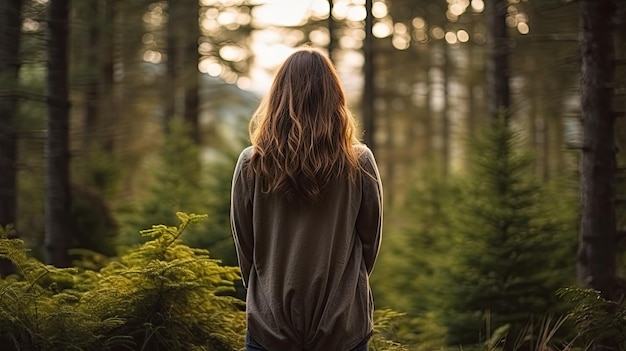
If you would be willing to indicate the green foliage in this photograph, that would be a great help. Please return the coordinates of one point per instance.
(596, 319)
(509, 245)
(163, 295)
(385, 331)
(415, 245)
(179, 180)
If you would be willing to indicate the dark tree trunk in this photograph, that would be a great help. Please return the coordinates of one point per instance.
(367, 100)
(332, 41)
(190, 67)
(58, 219)
(91, 90)
(10, 28)
(498, 90)
(597, 241)
(170, 86)
(108, 107)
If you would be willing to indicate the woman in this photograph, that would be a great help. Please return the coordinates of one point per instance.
(306, 215)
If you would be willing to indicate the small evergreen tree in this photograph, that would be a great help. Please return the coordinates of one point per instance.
(509, 252)
(163, 295)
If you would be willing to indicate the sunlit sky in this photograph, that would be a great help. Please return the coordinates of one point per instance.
(271, 46)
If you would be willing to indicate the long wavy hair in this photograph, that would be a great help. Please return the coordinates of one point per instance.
(303, 132)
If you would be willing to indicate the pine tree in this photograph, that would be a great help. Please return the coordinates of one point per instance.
(506, 246)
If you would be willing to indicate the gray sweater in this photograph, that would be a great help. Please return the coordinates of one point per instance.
(306, 266)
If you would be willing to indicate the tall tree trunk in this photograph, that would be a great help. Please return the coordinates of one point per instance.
(10, 28)
(90, 65)
(597, 241)
(58, 219)
(367, 99)
(446, 138)
(10, 33)
(108, 106)
(170, 86)
(332, 40)
(498, 90)
(191, 74)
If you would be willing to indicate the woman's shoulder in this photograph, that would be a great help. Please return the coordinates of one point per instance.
(363, 152)
(244, 158)
(245, 154)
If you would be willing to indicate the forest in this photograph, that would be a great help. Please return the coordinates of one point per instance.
(496, 124)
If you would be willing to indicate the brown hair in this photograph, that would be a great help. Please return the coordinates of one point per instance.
(303, 133)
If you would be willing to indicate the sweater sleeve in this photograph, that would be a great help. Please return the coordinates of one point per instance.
(241, 217)
(369, 219)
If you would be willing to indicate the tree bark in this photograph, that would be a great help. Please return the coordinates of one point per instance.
(367, 100)
(597, 240)
(332, 41)
(57, 203)
(498, 90)
(10, 33)
(10, 28)
(190, 67)
(170, 86)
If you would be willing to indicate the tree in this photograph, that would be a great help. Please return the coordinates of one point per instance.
(332, 40)
(597, 237)
(498, 58)
(181, 85)
(58, 200)
(505, 227)
(10, 33)
(367, 99)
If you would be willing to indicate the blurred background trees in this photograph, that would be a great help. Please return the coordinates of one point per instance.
(482, 216)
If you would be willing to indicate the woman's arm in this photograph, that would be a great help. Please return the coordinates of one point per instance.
(370, 218)
(241, 217)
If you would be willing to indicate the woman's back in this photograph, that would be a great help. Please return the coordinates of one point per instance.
(307, 285)
(306, 214)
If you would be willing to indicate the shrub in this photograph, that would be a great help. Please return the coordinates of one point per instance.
(163, 295)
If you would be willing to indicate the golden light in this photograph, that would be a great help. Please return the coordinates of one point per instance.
(523, 28)
(244, 83)
(379, 9)
(421, 36)
(232, 53)
(457, 9)
(451, 38)
(147, 38)
(356, 13)
(437, 32)
(451, 17)
(210, 67)
(511, 21)
(211, 13)
(382, 29)
(319, 8)
(418, 23)
(350, 42)
(478, 5)
(463, 36)
(152, 56)
(29, 25)
(340, 10)
(400, 28)
(319, 37)
(209, 25)
(205, 48)
(400, 42)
